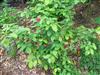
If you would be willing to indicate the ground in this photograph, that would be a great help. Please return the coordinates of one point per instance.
(17, 65)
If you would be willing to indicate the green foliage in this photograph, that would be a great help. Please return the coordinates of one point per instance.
(98, 30)
(92, 63)
(97, 20)
(44, 31)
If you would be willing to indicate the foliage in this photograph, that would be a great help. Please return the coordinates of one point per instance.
(44, 30)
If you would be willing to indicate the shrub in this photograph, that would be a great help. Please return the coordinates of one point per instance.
(44, 31)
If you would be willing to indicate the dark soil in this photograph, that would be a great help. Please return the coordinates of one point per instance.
(86, 13)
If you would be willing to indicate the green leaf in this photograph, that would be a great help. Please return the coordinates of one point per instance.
(46, 67)
(13, 35)
(45, 41)
(46, 56)
(47, 2)
(35, 63)
(30, 57)
(60, 39)
(66, 37)
(97, 20)
(5, 42)
(30, 64)
(94, 46)
(28, 50)
(54, 27)
(92, 52)
(39, 61)
(55, 53)
(48, 33)
(98, 30)
(52, 38)
(23, 46)
(56, 70)
(51, 59)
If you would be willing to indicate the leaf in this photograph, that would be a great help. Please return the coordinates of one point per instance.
(23, 30)
(68, 73)
(45, 41)
(98, 30)
(55, 53)
(54, 27)
(30, 57)
(87, 53)
(76, 1)
(28, 50)
(46, 67)
(48, 33)
(30, 64)
(46, 56)
(60, 39)
(47, 2)
(52, 38)
(34, 39)
(56, 70)
(66, 37)
(35, 63)
(5, 42)
(23, 46)
(91, 51)
(97, 20)
(94, 46)
(13, 35)
(51, 59)
(39, 61)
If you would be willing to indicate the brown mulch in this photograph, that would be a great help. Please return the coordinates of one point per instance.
(17, 66)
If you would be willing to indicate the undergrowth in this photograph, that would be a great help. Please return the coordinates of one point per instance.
(44, 30)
